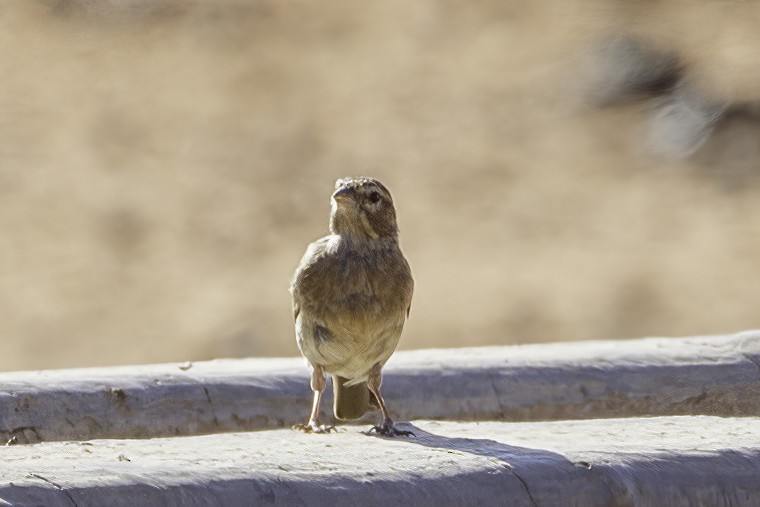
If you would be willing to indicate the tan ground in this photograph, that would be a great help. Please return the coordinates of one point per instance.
(164, 164)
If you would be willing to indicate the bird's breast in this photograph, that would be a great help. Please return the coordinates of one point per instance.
(352, 306)
(354, 286)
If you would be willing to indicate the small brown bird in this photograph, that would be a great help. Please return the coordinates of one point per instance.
(351, 296)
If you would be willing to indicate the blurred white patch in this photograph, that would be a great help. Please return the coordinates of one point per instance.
(683, 123)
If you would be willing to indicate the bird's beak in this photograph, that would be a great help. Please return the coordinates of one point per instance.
(343, 193)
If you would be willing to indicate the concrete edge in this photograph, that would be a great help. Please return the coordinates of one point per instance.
(644, 462)
(654, 376)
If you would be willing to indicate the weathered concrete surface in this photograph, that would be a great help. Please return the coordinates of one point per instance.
(658, 376)
(669, 461)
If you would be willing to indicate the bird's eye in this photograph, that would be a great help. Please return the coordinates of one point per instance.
(374, 197)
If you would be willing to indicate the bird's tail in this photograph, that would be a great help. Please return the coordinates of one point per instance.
(351, 402)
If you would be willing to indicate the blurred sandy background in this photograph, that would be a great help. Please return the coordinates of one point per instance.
(164, 164)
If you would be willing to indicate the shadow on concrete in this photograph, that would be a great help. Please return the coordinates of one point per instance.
(545, 475)
(510, 455)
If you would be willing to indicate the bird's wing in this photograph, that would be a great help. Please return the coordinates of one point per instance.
(313, 252)
(410, 287)
(296, 309)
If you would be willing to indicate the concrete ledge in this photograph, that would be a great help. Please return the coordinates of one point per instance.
(670, 461)
(658, 376)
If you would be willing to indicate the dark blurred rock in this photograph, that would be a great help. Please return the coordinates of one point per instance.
(621, 68)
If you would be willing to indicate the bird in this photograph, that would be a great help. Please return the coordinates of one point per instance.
(351, 295)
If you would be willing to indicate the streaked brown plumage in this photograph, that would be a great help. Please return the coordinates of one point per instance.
(351, 296)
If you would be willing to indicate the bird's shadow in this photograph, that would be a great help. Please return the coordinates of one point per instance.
(529, 466)
(510, 455)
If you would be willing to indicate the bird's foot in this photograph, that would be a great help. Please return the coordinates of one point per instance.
(388, 429)
(313, 427)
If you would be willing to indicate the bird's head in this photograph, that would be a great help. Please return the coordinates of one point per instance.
(362, 207)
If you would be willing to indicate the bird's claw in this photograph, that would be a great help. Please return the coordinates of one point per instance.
(389, 430)
(314, 428)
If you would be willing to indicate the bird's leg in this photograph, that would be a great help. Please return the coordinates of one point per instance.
(386, 428)
(318, 384)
